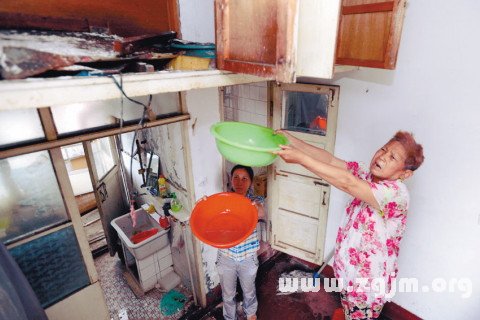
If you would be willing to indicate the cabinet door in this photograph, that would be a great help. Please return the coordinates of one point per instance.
(369, 33)
(257, 37)
(298, 205)
(317, 38)
(300, 217)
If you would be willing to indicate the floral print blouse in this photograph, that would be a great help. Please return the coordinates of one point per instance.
(368, 242)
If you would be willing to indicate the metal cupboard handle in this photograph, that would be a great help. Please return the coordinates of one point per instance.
(318, 183)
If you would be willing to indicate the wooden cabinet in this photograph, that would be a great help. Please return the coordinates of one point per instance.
(286, 39)
(298, 200)
(123, 18)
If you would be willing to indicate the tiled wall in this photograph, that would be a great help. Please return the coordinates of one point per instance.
(246, 103)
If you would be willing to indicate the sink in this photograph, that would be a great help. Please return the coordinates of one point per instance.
(123, 226)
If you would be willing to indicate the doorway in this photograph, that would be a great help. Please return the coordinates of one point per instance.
(79, 176)
(94, 173)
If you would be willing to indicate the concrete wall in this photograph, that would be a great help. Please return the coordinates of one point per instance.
(204, 108)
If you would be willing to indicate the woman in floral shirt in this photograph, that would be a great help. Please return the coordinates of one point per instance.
(367, 244)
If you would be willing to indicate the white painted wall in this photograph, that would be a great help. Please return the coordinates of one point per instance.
(434, 93)
(204, 108)
(197, 20)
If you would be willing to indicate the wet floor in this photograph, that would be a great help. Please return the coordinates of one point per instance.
(298, 305)
(272, 304)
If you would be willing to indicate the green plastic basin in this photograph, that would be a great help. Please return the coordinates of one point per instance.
(247, 144)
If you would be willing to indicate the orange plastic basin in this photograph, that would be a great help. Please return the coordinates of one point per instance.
(224, 219)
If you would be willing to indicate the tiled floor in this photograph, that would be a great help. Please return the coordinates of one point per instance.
(122, 302)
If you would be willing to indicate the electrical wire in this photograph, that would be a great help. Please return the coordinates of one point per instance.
(140, 126)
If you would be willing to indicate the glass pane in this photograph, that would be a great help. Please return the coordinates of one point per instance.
(83, 116)
(306, 112)
(30, 198)
(19, 126)
(102, 155)
(53, 265)
(77, 167)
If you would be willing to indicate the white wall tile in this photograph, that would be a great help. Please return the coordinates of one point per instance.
(261, 108)
(235, 114)
(254, 92)
(241, 104)
(250, 105)
(227, 101)
(259, 119)
(244, 116)
(262, 93)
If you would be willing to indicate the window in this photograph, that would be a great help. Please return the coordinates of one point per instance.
(30, 199)
(102, 153)
(306, 112)
(98, 114)
(17, 126)
(53, 265)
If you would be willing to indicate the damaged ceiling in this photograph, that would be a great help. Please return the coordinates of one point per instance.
(29, 53)
(48, 38)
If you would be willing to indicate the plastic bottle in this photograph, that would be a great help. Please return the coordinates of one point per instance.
(163, 221)
(162, 187)
(175, 204)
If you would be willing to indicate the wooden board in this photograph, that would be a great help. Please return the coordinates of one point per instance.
(257, 37)
(125, 18)
(86, 202)
(369, 33)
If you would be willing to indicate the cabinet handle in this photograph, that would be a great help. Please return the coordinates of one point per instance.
(318, 183)
(324, 195)
(280, 174)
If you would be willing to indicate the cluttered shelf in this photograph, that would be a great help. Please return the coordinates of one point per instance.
(46, 68)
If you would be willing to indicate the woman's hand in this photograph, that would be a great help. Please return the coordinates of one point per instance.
(290, 154)
(291, 139)
(260, 209)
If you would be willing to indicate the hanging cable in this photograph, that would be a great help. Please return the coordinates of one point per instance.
(120, 147)
(141, 126)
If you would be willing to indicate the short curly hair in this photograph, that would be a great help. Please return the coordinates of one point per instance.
(414, 150)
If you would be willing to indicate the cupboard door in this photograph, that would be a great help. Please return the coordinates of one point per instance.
(257, 37)
(317, 38)
(300, 218)
(369, 33)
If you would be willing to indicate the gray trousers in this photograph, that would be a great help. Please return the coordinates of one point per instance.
(246, 271)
